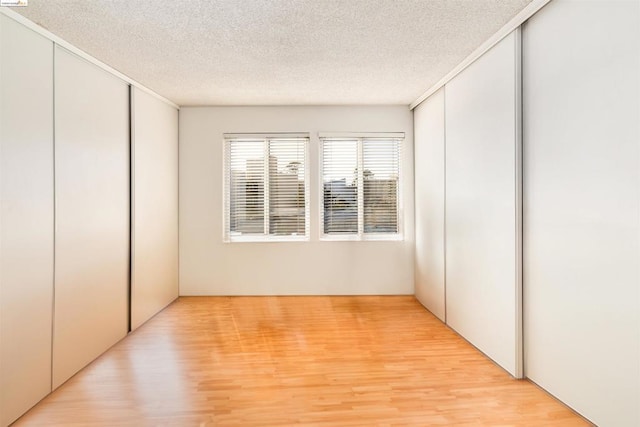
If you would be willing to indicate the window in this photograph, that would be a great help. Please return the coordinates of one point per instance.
(266, 192)
(361, 186)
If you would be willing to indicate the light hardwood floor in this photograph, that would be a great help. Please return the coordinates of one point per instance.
(339, 361)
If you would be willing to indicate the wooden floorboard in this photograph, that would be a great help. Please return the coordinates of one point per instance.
(325, 361)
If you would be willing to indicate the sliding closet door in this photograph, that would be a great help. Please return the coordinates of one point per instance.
(155, 210)
(92, 213)
(483, 205)
(428, 119)
(26, 218)
(582, 186)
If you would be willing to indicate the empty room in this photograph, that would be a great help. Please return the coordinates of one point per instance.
(320, 212)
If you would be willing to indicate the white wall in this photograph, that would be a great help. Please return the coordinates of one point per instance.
(582, 206)
(483, 280)
(26, 218)
(429, 165)
(92, 213)
(155, 206)
(210, 267)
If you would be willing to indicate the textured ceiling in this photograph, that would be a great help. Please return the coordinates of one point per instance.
(275, 52)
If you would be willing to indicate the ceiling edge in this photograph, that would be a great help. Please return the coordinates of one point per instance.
(526, 13)
(82, 54)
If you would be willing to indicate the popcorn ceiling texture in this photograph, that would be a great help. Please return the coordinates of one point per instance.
(278, 52)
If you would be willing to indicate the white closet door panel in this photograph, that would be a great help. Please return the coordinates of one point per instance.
(92, 213)
(582, 206)
(481, 206)
(26, 218)
(155, 210)
(428, 121)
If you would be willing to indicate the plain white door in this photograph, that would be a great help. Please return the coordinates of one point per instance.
(429, 136)
(155, 206)
(92, 213)
(582, 206)
(483, 209)
(26, 218)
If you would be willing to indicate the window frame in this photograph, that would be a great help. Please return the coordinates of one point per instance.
(266, 138)
(360, 235)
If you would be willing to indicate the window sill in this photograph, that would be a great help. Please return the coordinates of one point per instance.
(266, 239)
(362, 238)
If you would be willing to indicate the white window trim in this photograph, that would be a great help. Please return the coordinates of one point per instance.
(263, 238)
(360, 235)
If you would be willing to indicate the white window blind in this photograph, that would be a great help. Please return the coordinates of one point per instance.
(361, 182)
(340, 181)
(381, 167)
(266, 188)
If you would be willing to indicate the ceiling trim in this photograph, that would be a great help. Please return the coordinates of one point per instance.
(63, 43)
(526, 13)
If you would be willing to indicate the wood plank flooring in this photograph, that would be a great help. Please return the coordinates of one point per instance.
(326, 361)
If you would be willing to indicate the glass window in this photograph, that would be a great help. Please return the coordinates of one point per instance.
(361, 183)
(266, 194)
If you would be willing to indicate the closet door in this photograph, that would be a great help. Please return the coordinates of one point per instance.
(155, 210)
(92, 213)
(429, 137)
(26, 217)
(483, 208)
(582, 205)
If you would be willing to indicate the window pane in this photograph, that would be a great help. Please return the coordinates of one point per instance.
(287, 207)
(381, 159)
(246, 187)
(340, 182)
